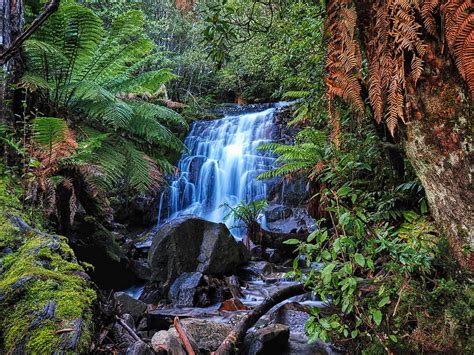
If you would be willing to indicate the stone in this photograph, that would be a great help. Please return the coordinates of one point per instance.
(192, 244)
(184, 289)
(208, 335)
(267, 341)
(277, 212)
(127, 304)
(165, 342)
(141, 269)
(120, 334)
(231, 305)
(139, 348)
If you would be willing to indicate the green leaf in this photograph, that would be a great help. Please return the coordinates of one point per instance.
(377, 316)
(291, 241)
(359, 259)
(384, 301)
(393, 338)
(354, 333)
(343, 191)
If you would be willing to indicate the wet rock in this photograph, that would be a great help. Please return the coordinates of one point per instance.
(233, 304)
(294, 315)
(139, 348)
(208, 335)
(256, 270)
(128, 305)
(184, 290)
(267, 341)
(151, 293)
(195, 289)
(141, 269)
(165, 342)
(121, 336)
(272, 255)
(192, 244)
(277, 212)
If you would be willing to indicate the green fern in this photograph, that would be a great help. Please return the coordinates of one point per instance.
(89, 71)
(49, 131)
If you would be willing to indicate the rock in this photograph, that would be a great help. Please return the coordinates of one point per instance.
(139, 348)
(276, 212)
(165, 342)
(195, 289)
(120, 334)
(256, 270)
(268, 340)
(192, 244)
(234, 304)
(208, 335)
(128, 305)
(184, 290)
(141, 269)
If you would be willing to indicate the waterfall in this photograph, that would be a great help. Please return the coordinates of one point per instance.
(220, 166)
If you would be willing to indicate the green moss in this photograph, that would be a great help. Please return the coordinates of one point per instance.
(49, 265)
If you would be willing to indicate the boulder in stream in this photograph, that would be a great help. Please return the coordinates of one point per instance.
(192, 244)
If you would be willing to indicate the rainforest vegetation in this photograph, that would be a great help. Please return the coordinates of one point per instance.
(98, 101)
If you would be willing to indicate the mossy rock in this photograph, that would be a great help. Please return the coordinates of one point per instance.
(46, 299)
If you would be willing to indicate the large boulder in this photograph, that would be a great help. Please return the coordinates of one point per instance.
(192, 244)
(208, 335)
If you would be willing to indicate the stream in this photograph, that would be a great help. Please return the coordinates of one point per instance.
(220, 166)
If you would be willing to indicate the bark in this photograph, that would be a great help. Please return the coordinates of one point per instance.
(237, 335)
(438, 141)
(439, 146)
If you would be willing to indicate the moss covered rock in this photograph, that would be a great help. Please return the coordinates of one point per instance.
(46, 299)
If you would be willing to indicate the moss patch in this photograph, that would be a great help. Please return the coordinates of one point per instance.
(37, 270)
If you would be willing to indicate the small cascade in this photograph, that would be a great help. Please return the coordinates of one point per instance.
(220, 166)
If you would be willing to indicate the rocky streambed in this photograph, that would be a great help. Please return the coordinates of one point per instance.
(197, 273)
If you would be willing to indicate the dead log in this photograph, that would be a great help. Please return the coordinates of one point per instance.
(231, 343)
(127, 328)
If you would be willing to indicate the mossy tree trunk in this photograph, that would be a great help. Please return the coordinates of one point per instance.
(438, 140)
(439, 146)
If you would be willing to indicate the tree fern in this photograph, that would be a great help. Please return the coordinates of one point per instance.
(89, 71)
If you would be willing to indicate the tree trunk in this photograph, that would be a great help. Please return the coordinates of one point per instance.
(439, 146)
(438, 139)
(11, 25)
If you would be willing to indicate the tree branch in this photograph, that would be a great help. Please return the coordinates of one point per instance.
(236, 336)
(48, 10)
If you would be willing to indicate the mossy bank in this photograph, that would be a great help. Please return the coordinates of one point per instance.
(46, 299)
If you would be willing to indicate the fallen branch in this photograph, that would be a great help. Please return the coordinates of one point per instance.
(184, 337)
(236, 336)
(48, 10)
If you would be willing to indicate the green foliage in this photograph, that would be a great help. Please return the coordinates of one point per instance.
(54, 275)
(97, 76)
(245, 212)
(48, 131)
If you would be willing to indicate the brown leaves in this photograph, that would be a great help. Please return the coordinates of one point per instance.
(344, 62)
(459, 32)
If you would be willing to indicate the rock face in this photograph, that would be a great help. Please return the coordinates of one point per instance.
(166, 342)
(192, 244)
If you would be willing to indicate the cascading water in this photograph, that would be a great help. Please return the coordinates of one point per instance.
(221, 166)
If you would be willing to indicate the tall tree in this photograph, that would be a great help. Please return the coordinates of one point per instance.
(420, 57)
